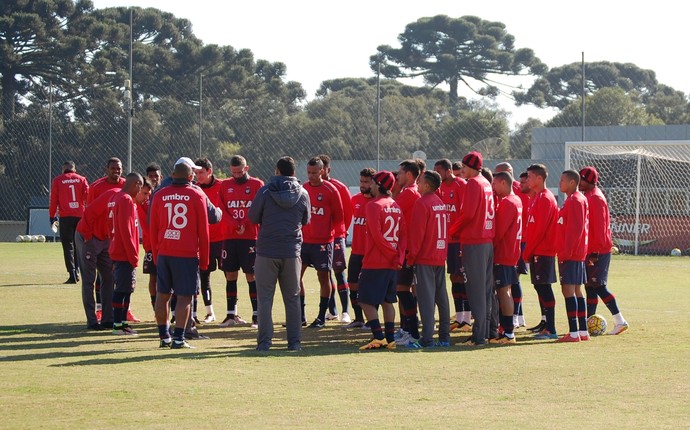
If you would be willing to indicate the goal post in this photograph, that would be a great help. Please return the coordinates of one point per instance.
(647, 185)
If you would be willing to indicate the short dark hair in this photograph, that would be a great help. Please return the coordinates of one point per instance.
(153, 167)
(69, 166)
(539, 170)
(456, 165)
(433, 179)
(367, 172)
(486, 172)
(421, 163)
(315, 161)
(573, 176)
(523, 174)
(504, 176)
(286, 166)
(146, 183)
(326, 160)
(410, 166)
(444, 163)
(113, 160)
(238, 161)
(204, 163)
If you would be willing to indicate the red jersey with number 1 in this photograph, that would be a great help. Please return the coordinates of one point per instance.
(451, 194)
(235, 200)
(508, 231)
(68, 195)
(386, 237)
(573, 228)
(427, 240)
(359, 227)
(326, 213)
(124, 242)
(600, 240)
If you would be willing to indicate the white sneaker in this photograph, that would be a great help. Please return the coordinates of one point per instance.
(232, 320)
(331, 317)
(619, 328)
(345, 318)
(209, 319)
(521, 320)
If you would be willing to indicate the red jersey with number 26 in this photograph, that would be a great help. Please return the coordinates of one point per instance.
(386, 240)
(359, 227)
(573, 228)
(326, 213)
(179, 223)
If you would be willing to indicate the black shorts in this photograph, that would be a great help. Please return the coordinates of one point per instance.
(504, 276)
(406, 275)
(238, 254)
(454, 259)
(377, 286)
(597, 267)
(521, 266)
(572, 272)
(339, 255)
(125, 277)
(215, 256)
(179, 275)
(354, 268)
(149, 266)
(542, 270)
(318, 256)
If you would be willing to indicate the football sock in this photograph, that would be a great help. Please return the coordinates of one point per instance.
(507, 323)
(571, 311)
(323, 306)
(406, 300)
(331, 298)
(376, 329)
(390, 331)
(206, 286)
(178, 334)
(618, 319)
(231, 296)
(195, 301)
(173, 303)
(119, 313)
(548, 302)
(466, 317)
(516, 292)
(252, 296)
(608, 299)
(581, 314)
(163, 331)
(465, 304)
(343, 289)
(457, 299)
(592, 300)
(354, 298)
(303, 304)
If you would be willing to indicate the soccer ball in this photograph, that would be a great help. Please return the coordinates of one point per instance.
(19, 238)
(26, 238)
(676, 252)
(596, 325)
(615, 250)
(41, 238)
(34, 238)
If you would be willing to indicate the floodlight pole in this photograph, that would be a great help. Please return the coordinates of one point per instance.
(378, 114)
(50, 135)
(129, 101)
(583, 96)
(201, 117)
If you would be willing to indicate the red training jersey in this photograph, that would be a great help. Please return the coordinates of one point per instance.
(212, 191)
(600, 238)
(235, 200)
(542, 216)
(475, 225)
(508, 231)
(68, 195)
(451, 194)
(406, 199)
(179, 223)
(573, 228)
(142, 214)
(427, 242)
(94, 223)
(386, 237)
(326, 213)
(101, 185)
(345, 200)
(359, 228)
(524, 198)
(124, 229)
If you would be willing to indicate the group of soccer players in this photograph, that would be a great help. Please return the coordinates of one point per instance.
(410, 228)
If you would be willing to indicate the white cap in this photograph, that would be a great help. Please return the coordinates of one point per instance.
(188, 161)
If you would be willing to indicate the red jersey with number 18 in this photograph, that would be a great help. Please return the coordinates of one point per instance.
(359, 228)
(386, 236)
(179, 223)
(326, 213)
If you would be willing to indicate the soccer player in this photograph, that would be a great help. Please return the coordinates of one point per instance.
(540, 245)
(153, 173)
(143, 201)
(457, 166)
(317, 250)
(475, 225)
(451, 192)
(93, 240)
(180, 244)
(124, 250)
(340, 283)
(383, 257)
(239, 237)
(507, 235)
(68, 195)
(408, 171)
(282, 208)
(211, 186)
(359, 231)
(573, 231)
(599, 250)
(427, 253)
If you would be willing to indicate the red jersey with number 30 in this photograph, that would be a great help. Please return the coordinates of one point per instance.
(235, 200)
(508, 231)
(326, 213)
(68, 195)
(428, 241)
(573, 228)
(386, 237)
(359, 227)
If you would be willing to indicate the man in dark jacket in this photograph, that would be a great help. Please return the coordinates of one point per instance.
(281, 208)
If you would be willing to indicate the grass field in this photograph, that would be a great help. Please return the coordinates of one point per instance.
(56, 375)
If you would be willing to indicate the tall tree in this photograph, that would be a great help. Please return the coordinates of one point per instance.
(466, 50)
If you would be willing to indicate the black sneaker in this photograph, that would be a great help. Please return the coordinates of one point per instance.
(96, 327)
(70, 280)
(194, 334)
(180, 344)
(165, 343)
(539, 327)
(196, 320)
(172, 320)
(317, 324)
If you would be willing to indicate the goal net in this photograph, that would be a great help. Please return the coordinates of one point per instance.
(647, 185)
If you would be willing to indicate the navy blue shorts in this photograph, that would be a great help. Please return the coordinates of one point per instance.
(504, 276)
(149, 266)
(354, 268)
(125, 277)
(406, 275)
(179, 275)
(377, 286)
(572, 272)
(454, 260)
(339, 255)
(318, 256)
(238, 254)
(521, 266)
(542, 270)
(215, 256)
(597, 266)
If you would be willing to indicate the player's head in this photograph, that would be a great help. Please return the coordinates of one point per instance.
(239, 169)
(384, 182)
(326, 159)
(113, 169)
(69, 167)
(183, 171)
(589, 178)
(457, 167)
(444, 168)
(145, 192)
(486, 173)
(422, 168)
(502, 183)
(536, 177)
(315, 171)
(524, 187)
(286, 166)
(503, 167)
(153, 173)
(205, 174)
(133, 184)
(408, 171)
(471, 165)
(569, 182)
(366, 181)
(429, 182)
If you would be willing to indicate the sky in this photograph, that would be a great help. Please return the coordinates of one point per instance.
(320, 40)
